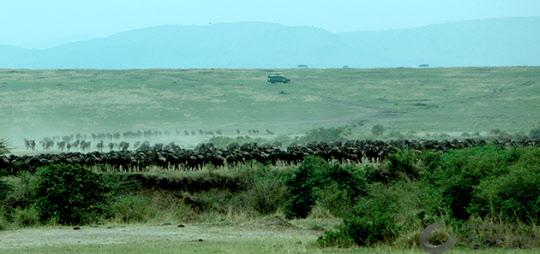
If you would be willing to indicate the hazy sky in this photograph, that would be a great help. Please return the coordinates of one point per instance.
(45, 23)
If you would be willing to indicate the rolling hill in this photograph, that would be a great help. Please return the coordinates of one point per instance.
(494, 42)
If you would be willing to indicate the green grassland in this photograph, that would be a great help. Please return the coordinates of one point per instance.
(136, 239)
(41, 103)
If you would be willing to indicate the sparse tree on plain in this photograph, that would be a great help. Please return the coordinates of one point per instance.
(3, 147)
(535, 133)
(378, 130)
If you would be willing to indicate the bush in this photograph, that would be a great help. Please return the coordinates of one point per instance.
(339, 238)
(301, 197)
(387, 212)
(23, 193)
(3, 221)
(377, 130)
(70, 194)
(340, 188)
(535, 133)
(132, 209)
(4, 190)
(265, 188)
(334, 200)
(266, 194)
(326, 135)
(373, 222)
(3, 147)
(512, 196)
(459, 172)
(488, 233)
(26, 217)
(314, 177)
(403, 164)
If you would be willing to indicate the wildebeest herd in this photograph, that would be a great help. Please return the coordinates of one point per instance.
(111, 141)
(172, 156)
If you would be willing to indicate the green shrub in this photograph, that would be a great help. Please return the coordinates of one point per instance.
(3, 147)
(70, 194)
(316, 176)
(23, 193)
(266, 194)
(488, 233)
(132, 209)
(377, 174)
(334, 199)
(340, 238)
(340, 187)
(301, 196)
(387, 212)
(5, 189)
(373, 222)
(265, 188)
(218, 202)
(3, 221)
(512, 196)
(26, 217)
(535, 133)
(326, 135)
(459, 172)
(377, 130)
(403, 164)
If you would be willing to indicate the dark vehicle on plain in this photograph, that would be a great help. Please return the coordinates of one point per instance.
(275, 78)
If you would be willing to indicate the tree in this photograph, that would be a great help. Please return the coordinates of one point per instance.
(535, 133)
(4, 187)
(3, 147)
(377, 130)
(70, 194)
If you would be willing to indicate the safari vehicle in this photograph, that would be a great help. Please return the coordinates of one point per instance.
(276, 78)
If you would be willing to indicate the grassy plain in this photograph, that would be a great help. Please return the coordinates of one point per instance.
(145, 239)
(38, 103)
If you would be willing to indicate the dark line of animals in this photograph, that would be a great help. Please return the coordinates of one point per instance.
(174, 157)
(81, 142)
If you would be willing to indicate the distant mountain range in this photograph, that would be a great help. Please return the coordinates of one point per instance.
(493, 42)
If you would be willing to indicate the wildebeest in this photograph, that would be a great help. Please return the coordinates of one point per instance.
(85, 145)
(47, 144)
(30, 144)
(123, 146)
(100, 146)
(61, 145)
(171, 155)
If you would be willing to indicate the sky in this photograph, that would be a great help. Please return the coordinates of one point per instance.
(42, 24)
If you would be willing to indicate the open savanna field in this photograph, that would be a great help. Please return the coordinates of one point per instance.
(40, 103)
(484, 196)
(150, 239)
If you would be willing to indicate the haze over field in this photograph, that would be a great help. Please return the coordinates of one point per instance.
(256, 126)
(491, 42)
(454, 101)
